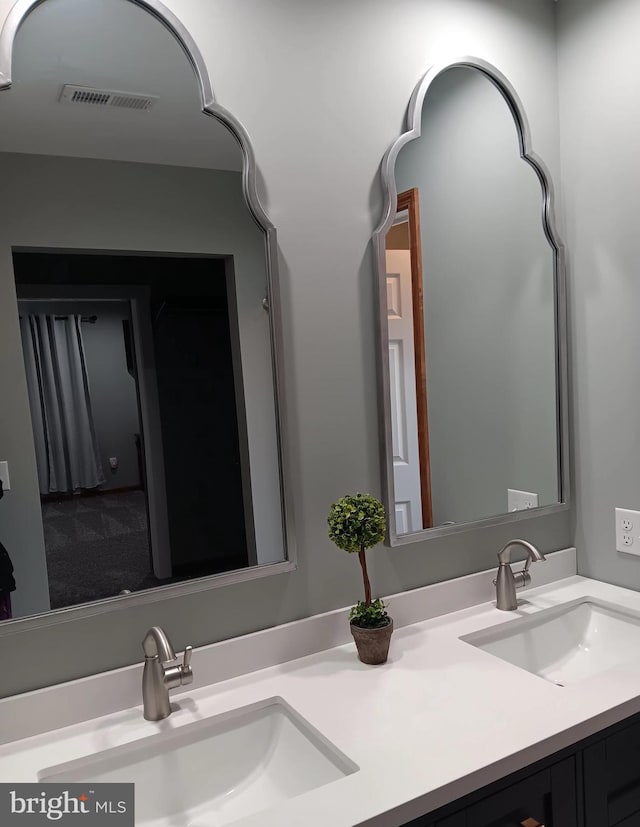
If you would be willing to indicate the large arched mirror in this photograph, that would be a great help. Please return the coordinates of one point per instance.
(472, 313)
(140, 427)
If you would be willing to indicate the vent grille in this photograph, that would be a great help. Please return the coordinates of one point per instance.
(107, 97)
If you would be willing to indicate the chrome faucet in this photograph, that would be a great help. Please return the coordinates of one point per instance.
(506, 581)
(157, 677)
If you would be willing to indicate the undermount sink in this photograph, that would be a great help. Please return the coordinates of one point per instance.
(217, 770)
(568, 643)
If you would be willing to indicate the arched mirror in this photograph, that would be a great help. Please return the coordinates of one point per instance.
(140, 427)
(472, 313)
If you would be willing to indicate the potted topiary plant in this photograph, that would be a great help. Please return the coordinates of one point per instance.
(356, 523)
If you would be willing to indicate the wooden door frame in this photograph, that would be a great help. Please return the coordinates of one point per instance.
(409, 200)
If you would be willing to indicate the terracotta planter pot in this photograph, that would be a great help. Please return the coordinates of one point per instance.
(373, 644)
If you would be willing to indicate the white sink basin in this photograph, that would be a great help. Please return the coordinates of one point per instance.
(568, 643)
(216, 770)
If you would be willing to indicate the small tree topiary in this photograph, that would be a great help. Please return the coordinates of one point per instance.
(356, 523)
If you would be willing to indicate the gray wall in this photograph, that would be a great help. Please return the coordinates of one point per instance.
(113, 389)
(599, 62)
(320, 121)
(488, 302)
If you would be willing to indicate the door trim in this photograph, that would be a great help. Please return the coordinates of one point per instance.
(409, 200)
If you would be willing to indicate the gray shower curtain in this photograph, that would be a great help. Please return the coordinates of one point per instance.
(67, 453)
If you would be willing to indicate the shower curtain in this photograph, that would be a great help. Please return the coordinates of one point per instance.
(67, 453)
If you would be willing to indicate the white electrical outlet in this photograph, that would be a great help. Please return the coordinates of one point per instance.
(4, 475)
(521, 500)
(113, 463)
(628, 531)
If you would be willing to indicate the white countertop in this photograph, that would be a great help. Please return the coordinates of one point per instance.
(439, 720)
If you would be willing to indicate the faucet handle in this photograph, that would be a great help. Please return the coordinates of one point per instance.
(181, 674)
(186, 673)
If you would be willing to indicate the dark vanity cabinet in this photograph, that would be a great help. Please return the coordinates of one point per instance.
(544, 797)
(595, 783)
(612, 779)
(547, 797)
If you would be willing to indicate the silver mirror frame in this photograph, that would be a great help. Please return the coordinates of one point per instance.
(413, 131)
(16, 17)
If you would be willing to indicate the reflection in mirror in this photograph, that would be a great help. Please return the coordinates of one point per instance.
(140, 425)
(470, 314)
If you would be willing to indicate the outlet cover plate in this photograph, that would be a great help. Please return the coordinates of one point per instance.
(4, 475)
(628, 531)
(521, 500)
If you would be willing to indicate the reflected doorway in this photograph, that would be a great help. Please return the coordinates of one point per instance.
(408, 367)
(143, 467)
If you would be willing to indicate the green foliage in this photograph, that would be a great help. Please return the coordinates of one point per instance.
(356, 521)
(371, 616)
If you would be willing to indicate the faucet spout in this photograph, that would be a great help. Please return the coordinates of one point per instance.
(533, 552)
(157, 645)
(506, 581)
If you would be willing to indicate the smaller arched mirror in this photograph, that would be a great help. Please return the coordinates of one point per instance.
(472, 313)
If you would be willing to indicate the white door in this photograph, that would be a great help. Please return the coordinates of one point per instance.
(404, 418)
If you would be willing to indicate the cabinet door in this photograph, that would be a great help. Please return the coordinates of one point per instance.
(546, 799)
(457, 820)
(612, 780)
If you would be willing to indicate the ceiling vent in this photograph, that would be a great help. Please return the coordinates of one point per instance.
(106, 97)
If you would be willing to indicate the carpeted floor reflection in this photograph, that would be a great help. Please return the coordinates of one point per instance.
(96, 547)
